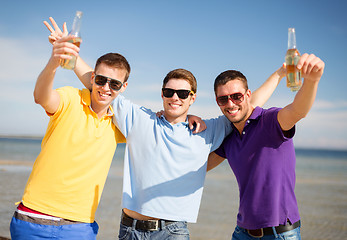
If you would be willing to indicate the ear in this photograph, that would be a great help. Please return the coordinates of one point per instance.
(192, 99)
(92, 78)
(124, 87)
(248, 93)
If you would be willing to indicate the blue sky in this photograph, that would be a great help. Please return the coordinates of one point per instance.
(205, 37)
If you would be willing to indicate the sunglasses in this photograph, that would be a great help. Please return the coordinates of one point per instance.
(113, 83)
(236, 98)
(181, 93)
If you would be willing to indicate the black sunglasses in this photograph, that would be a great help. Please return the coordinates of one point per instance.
(181, 93)
(113, 83)
(236, 98)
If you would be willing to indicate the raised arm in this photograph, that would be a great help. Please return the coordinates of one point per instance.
(82, 70)
(44, 94)
(312, 69)
(264, 92)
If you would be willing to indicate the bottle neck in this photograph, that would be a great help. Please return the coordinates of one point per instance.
(76, 25)
(291, 38)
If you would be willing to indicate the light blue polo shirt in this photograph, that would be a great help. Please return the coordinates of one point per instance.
(164, 164)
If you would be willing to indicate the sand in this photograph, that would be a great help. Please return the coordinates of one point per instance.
(322, 204)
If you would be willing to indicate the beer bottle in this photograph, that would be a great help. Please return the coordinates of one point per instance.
(294, 81)
(75, 31)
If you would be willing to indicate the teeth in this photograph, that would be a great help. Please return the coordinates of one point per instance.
(174, 105)
(104, 94)
(232, 111)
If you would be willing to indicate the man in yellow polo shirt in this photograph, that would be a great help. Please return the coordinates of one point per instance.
(68, 176)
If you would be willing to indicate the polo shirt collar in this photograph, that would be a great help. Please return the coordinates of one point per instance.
(254, 116)
(180, 123)
(86, 100)
(256, 113)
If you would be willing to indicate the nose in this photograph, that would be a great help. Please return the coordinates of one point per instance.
(107, 86)
(175, 96)
(230, 103)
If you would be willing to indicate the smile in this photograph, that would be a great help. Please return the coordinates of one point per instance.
(174, 105)
(232, 111)
(104, 95)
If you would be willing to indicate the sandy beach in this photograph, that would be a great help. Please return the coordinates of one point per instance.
(322, 203)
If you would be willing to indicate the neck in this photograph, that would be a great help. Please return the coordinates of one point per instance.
(174, 120)
(241, 124)
(100, 110)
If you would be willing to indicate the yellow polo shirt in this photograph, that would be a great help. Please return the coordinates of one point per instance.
(69, 174)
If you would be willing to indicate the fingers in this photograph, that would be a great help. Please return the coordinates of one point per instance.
(197, 127)
(62, 47)
(55, 25)
(65, 32)
(48, 26)
(311, 66)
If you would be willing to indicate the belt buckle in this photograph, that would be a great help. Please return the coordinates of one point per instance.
(156, 223)
(258, 236)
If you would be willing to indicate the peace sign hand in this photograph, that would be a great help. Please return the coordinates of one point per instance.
(56, 33)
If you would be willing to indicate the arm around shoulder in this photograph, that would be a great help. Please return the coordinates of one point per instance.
(264, 92)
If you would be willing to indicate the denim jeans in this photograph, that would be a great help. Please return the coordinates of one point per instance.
(242, 234)
(174, 231)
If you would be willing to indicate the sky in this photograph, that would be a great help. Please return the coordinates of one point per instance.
(205, 37)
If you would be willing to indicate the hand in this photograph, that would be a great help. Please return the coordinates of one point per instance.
(56, 33)
(311, 67)
(281, 72)
(63, 49)
(197, 123)
(160, 113)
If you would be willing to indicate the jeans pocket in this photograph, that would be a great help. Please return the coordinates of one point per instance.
(292, 235)
(124, 232)
(178, 229)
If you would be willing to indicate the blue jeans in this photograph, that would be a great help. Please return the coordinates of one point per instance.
(242, 234)
(23, 230)
(174, 231)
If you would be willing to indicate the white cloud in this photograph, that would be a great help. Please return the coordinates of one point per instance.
(21, 59)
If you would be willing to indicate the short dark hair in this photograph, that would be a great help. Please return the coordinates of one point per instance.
(115, 60)
(227, 76)
(181, 73)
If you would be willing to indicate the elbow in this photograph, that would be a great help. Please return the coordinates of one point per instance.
(37, 98)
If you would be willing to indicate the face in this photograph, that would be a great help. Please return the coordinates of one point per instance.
(175, 108)
(235, 112)
(102, 96)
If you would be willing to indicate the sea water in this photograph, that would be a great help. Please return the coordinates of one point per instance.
(309, 161)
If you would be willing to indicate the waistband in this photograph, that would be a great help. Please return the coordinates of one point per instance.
(258, 233)
(41, 219)
(144, 225)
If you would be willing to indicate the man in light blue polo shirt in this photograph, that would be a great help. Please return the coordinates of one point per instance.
(165, 163)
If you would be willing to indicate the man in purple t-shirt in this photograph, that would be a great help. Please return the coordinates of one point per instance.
(261, 153)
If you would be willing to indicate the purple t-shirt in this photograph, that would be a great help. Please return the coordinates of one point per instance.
(263, 161)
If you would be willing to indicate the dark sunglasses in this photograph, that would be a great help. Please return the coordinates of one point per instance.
(113, 83)
(236, 98)
(181, 93)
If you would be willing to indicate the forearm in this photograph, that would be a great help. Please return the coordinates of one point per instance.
(264, 92)
(213, 161)
(44, 94)
(83, 72)
(44, 84)
(304, 99)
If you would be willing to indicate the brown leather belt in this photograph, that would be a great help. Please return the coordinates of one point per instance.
(258, 233)
(144, 225)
